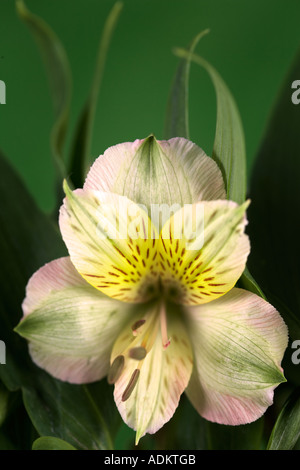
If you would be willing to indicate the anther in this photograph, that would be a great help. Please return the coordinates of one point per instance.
(131, 384)
(115, 369)
(138, 353)
(136, 326)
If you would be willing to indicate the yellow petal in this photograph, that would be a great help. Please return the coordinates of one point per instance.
(112, 243)
(147, 391)
(203, 251)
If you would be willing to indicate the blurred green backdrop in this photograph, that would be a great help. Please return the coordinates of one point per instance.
(251, 43)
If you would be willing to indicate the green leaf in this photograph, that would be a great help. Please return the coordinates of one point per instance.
(177, 116)
(286, 431)
(187, 430)
(80, 152)
(17, 431)
(59, 77)
(74, 413)
(274, 214)
(229, 146)
(4, 396)
(5, 443)
(51, 443)
(244, 437)
(248, 282)
(28, 239)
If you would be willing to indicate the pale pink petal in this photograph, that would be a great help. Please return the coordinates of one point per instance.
(148, 172)
(104, 171)
(238, 343)
(70, 326)
(203, 174)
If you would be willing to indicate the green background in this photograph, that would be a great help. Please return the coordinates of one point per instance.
(251, 43)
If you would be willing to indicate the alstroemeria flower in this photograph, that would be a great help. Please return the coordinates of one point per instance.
(152, 303)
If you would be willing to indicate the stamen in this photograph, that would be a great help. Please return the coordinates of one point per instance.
(150, 334)
(138, 353)
(115, 369)
(131, 384)
(163, 326)
(136, 326)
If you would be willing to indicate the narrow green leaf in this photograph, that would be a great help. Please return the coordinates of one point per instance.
(177, 116)
(229, 146)
(80, 152)
(274, 215)
(51, 443)
(286, 431)
(59, 77)
(248, 282)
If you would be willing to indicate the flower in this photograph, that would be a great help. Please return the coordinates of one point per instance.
(147, 295)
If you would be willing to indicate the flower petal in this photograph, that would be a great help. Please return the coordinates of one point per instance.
(152, 172)
(71, 327)
(238, 342)
(148, 390)
(112, 243)
(203, 250)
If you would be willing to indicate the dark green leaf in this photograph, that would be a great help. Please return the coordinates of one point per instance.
(244, 437)
(59, 77)
(80, 152)
(5, 443)
(274, 213)
(51, 443)
(70, 412)
(4, 397)
(229, 146)
(17, 428)
(187, 430)
(177, 116)
(29, 239)
(286, 431)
